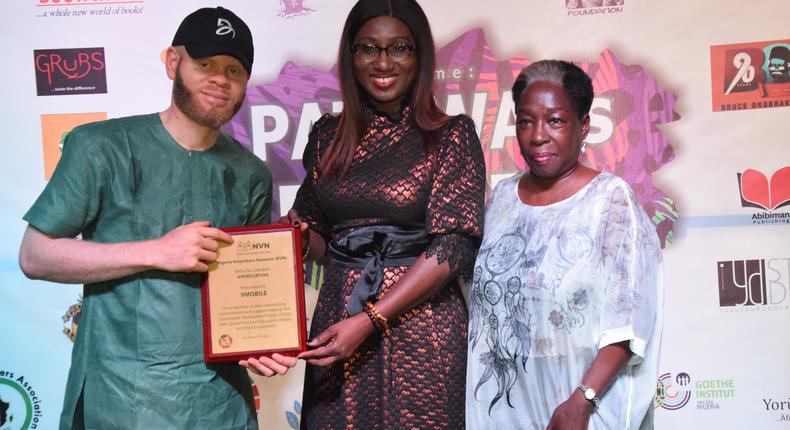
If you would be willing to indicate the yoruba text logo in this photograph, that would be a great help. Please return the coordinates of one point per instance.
(20, 406)
(779, 407)
(760, 284)
(70, 71)
(673, 393)
(757, 191)
(751, 75)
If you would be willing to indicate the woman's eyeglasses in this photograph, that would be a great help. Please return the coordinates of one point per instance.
(398, 52)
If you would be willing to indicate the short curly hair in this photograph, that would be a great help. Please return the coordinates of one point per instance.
(577, 85)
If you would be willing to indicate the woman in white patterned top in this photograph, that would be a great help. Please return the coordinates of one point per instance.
(566, 299)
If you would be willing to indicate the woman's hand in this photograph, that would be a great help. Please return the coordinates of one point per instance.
(339, 341)
(313, 245)
(269, 366)
(572, 414)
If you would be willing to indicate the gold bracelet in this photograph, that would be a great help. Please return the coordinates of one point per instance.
(380, 321)
(306, 250)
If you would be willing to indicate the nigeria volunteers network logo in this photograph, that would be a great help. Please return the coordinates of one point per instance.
(20, 407)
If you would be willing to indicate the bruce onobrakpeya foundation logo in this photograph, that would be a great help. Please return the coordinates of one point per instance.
(70, 71)
(750, 75)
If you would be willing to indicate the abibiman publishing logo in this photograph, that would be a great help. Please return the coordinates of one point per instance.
(70, 71)
(757, 191)
(20, 407)
(750, 75)
(754, 285)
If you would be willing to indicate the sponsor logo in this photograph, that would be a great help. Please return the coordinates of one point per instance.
(249, 247)
(675, 393)
(672, 393)
(469, 79)
(71, 319)
(70, 71)
(758, 192)
(55, 128)
(93, 8)
(780, 408)
(20, 407)
(294, 8)
(754, 285)
(750, 75)
(593, 7)
(225, 341)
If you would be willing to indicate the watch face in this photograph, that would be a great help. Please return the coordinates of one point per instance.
(589, 394)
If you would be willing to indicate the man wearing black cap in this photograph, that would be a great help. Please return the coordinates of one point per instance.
(147, 193)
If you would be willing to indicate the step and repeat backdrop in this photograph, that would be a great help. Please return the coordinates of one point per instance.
(692, 109)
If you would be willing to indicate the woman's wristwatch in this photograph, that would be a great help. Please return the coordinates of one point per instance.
(589, 394)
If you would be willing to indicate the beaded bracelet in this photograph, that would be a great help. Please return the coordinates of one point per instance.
(378, 320)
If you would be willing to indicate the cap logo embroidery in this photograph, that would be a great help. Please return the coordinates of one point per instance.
(224, 27)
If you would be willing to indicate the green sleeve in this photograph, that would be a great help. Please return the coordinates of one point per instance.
(71, 200)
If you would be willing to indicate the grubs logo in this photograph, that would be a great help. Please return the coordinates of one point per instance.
(71, 71)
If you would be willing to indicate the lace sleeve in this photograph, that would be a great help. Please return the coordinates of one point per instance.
(454, 216)
(632, 260)
(306, 202)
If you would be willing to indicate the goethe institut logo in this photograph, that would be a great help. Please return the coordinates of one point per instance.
(757, 191)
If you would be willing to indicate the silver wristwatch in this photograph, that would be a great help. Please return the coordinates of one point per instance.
(589, 394)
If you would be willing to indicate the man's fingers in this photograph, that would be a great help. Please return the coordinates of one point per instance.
(216, 234)
(273, 365)
(200, 267)
(285, 360)
(210, 245)
(256, 367)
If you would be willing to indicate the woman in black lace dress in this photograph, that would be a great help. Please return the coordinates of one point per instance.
(394, 200)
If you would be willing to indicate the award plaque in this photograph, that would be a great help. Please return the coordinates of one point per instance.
(253, 295)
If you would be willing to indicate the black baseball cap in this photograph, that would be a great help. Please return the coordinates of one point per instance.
(216, 31)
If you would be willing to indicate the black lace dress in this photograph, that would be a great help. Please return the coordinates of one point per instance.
(415, 377)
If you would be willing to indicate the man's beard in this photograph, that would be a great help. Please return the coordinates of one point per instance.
(186, 103)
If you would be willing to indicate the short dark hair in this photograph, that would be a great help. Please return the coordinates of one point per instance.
(427, 114)
(577, 85)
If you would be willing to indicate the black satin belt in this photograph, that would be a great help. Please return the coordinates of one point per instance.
(372, 249)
